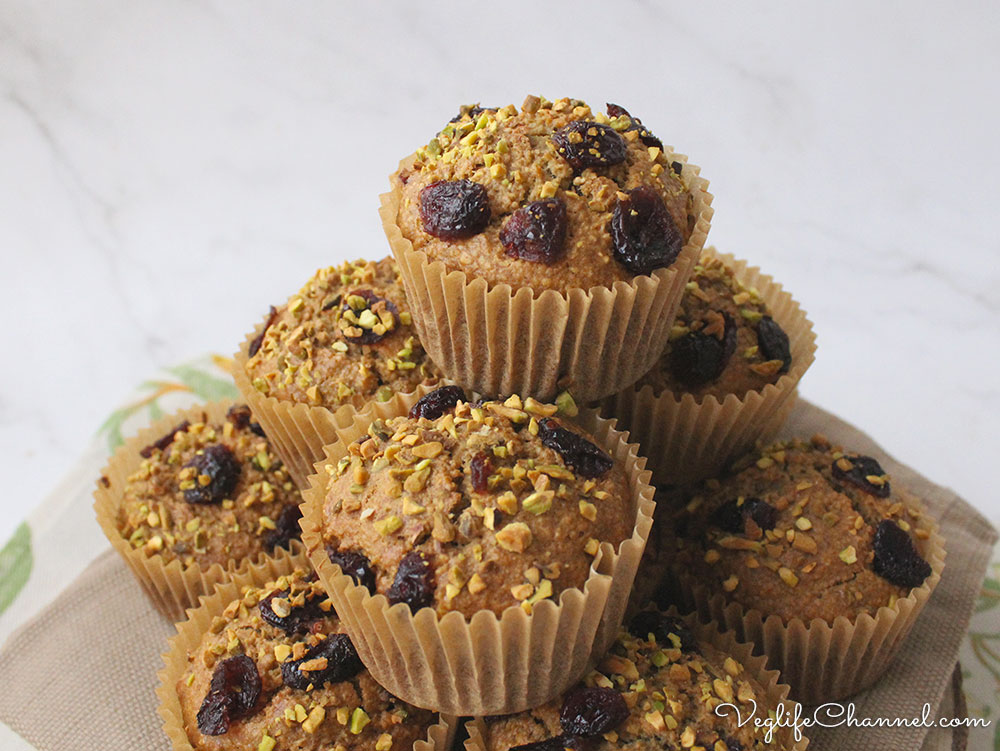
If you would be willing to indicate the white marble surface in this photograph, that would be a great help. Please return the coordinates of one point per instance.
(170, 168)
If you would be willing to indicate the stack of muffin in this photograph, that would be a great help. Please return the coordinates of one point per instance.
(449, 429)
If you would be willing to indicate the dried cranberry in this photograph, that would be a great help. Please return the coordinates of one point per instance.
(647, 138)
(698, 358)
(355, 565)
(239, 415)
(431, 406)
(643, 233)
(454, 209)
(367, 336)
(286, 528)
(662, 627)
(165, 441)
(732, 516)
(232, 694)
(259, 339)
(588, 144)
(896, 558)
(536, 232)
(583, 456)
(299, 618)
(223, 469)
(414, 583)
(592, 711)
(558, 743)
(677, 167)
(862, 467)
(773, 342)
(479, 471)
(342, 663)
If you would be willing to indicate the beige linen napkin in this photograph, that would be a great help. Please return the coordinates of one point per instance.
(82, 673)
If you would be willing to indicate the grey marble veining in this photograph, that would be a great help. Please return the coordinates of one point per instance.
(170, 169)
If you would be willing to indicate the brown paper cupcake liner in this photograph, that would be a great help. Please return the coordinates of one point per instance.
(298, 432)
(755, 666)
(488, 664)
(170, 586)
(500, 340)
(822, 662)
(191, 631)
(686, 439)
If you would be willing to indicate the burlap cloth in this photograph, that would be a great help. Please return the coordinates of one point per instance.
(82, 673)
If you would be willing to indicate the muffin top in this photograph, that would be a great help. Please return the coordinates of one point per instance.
(801, 530)
(657, 688)
(276, 671)
(551, 196)
(723, 341)
(210, 492)
(345, 337)
(470, 507)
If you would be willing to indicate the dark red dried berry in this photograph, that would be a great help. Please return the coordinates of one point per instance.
(358, 334)
(677, 167)
(232, 694)
(663, 627)
(431, 406)
(643, 233)
(558, 743)
(647, 138)
(592, 711)
(861, 468)
(259, 339)
(536, 232)
(342, 663)
(299, 618)
(733, 516)
(773, 342)
(165, 441)
(414, 583)
(454, 209)
(896, 558)
(286, 528)
(241, 418)
(355, 565)
(480, 469)
(221, 467)
(588, 144)
(698, 358)
(583, 456)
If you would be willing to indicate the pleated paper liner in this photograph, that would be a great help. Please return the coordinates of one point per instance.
(686, 439)
(298, 432)
(822, 662)
(190, 633)
(504, 341)
(488, 664)
(755, 667)
(170, 586)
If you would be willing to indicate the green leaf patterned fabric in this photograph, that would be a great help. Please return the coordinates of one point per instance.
(16, 561)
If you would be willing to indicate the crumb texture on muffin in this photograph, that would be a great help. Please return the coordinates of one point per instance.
(468, 507)
(346, 336)
(276, 671)
(658, 687)
(723, 341)
(802, 529)
(210, 493)
(549, 196)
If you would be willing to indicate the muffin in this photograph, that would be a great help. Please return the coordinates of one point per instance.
(265, 664)
(478, 552)
(660, 686)
(803, 533)
(197, 494)
(467, 507)
(727, 377)
(506, 204)
(345, 338)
